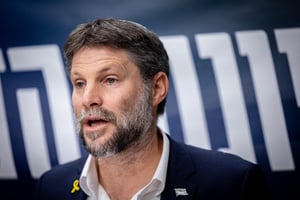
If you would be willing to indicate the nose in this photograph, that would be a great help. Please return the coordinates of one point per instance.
(92, 96)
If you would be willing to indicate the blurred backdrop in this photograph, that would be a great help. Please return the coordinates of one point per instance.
(235, 82)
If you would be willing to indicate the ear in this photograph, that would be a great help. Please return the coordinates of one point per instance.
(160, 87)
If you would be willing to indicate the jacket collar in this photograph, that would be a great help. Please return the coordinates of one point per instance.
(179, 183)
(78, 194)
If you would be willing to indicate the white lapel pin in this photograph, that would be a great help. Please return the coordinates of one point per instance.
(180, 192)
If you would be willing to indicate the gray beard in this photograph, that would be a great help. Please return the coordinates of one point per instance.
(133, 124)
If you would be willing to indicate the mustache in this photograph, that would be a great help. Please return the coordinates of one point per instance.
(99, 112)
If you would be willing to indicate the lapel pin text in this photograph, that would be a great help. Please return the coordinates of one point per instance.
(181, 192)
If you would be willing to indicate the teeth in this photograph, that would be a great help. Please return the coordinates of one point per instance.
(90, 122)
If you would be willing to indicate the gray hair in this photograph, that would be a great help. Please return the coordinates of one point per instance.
(142, 45)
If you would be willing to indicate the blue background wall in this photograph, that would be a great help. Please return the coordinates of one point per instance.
(234, 84)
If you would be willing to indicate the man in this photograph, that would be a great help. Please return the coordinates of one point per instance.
(120, 76)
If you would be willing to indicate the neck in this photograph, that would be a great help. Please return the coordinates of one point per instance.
(123, 174)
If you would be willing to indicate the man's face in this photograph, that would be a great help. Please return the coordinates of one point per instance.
(111, 103)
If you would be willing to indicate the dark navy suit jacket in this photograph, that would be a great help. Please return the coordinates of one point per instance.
(199, 173)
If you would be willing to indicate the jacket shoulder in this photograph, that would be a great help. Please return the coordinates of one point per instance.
(212, 158)
(233, 176)
(57, 182)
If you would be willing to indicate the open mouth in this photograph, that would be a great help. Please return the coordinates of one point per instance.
(92, 121)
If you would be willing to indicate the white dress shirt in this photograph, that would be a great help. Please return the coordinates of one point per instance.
(152, 191)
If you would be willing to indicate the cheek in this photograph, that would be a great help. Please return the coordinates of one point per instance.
(118, 104)
(128, 102)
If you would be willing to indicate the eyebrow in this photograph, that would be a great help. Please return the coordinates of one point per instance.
(105, 69)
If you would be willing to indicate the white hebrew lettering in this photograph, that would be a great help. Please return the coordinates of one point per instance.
(254, 45)
(218, 48)
(7, 167)
(288, 41)
(47, 58)
(33, 131)
(181, 59)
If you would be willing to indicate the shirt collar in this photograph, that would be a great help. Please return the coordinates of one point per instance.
(161, 170)
(89, 182)
(88, 178)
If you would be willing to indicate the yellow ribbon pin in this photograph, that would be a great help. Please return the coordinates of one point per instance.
(75, 186)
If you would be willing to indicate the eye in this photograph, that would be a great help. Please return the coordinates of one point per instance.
(79, 84)
(111, 80)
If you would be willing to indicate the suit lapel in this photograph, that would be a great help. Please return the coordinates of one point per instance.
(179, 184)
(77, 193)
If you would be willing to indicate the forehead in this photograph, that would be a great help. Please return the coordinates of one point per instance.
(91, 54)
(95, 58)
